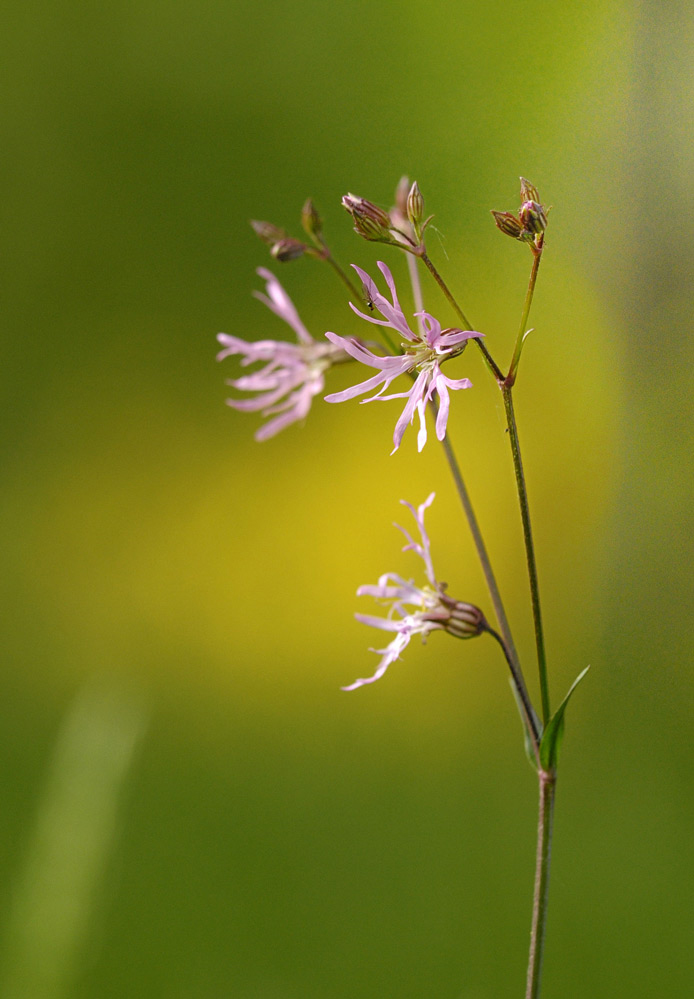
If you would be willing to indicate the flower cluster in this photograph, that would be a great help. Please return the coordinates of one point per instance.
(530, 222)
(425, 349)
(416, 610)
(292, 374)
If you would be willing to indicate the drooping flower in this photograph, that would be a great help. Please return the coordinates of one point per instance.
(424, 353)
(416, 610)
(293, 373)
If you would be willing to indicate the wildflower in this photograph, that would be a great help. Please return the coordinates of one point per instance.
(431, 608)
(422, 358)
(292, 374)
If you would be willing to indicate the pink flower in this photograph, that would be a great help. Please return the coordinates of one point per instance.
(293, 373)
(430, 609)
(424, 353)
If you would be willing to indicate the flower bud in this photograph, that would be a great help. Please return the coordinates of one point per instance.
(311, 220)
(531, 220)
(533, 217)
(288, 249)
(415, 207)
(528, 192)
(268, 232)
(465, 621)
(370, 221)
(508, 224)
(532, 212)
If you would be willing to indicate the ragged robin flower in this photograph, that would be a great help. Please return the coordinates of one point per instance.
(416, 610)
(423, 354)
(293, 373)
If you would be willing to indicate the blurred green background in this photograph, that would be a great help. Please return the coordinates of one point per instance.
(191, 807)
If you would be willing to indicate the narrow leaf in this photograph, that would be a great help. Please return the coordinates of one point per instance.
(552, 735)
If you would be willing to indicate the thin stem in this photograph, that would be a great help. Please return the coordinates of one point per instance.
(507, 393)
(327, 256)
(506, 642)
(482, 554)
(513, 370)
(491, 363)
(519, 683)
(416, 290)
(544, 848)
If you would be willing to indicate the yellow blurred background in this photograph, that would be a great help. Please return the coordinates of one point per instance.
(192, 806)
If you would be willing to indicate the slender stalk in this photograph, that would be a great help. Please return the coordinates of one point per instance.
(416, 290)
(513, 370)
(519, 683)
(507, 393)
(491, 363)
(506, 642)
(344, 277)
(482, 554)
(358, 296)
(544, 847)
(446, 290)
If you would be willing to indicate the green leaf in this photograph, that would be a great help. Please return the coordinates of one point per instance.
(553, 733)
(527, 738)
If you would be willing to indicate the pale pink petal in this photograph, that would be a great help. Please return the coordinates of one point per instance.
(279, 302)
(457, 383)
(355, 390)
(444, 406)
(389, 656)
(391, 312)
(447, 340)
(423, 549)
(414, 396)
(422, 435)
(359, 352)
(386, 624)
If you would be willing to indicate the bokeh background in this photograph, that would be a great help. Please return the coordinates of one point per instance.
(191, 807)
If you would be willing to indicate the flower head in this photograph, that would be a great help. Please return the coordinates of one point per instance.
(416, 610)
(292, 373)
(424, 352)
(531, 221)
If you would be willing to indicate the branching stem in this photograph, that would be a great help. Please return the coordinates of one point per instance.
(491, 363)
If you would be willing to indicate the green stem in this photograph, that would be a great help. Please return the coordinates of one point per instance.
(513, 370)
(482, 554)
(544, 848)
(519, 683)
(491, 363)
(507, 393)
(416, 291)
(327, 256)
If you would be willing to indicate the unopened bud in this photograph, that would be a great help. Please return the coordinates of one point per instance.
(532, 212)
(533, 217)
(508, 224)
(366, 210)
(415, 206)
(366, 227)
(268, 232)
(528, 192)
(311, 220)
(288, 249)
(465, 621)
(531, 220)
